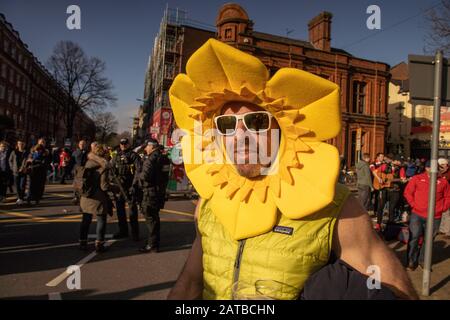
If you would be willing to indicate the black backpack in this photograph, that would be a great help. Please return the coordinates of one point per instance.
(87, 181)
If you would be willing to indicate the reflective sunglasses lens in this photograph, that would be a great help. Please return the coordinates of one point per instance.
(257, 121)
(226, 124)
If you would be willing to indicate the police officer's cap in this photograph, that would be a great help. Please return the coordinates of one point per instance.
(124, 141)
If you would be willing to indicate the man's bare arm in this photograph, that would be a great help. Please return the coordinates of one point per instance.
(356, 243)
(190, 282)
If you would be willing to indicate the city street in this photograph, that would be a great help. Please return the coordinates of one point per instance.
(38, 243)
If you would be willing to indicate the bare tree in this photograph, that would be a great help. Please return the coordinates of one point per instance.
(438, 36)
(106, 126)
(86, 88)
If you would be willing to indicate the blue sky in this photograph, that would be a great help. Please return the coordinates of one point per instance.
(122, 32)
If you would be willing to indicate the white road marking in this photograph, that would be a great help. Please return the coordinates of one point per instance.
(82, 262)
(54, 296)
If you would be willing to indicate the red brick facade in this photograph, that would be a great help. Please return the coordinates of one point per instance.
(30, 99)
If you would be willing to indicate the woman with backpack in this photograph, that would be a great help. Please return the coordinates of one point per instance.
(93, 188)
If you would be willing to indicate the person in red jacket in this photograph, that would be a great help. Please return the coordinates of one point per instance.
(64, 162)
(416, 193)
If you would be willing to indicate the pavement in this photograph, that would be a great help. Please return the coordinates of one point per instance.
(39, 243)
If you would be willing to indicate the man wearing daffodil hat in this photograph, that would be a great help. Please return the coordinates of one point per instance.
(275, 219)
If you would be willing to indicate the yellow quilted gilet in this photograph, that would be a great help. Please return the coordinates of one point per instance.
(286, 258)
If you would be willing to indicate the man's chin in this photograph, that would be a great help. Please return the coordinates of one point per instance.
(249, 170)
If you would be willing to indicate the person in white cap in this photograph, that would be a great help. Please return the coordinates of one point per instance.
(444, 171)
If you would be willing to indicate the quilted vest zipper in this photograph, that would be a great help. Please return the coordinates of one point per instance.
(237, 263)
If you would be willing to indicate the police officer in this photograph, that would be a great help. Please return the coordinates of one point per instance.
(124, 166)
(164, 179)
(149, 178)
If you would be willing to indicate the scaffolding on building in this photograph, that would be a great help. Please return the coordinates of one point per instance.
(165, 61)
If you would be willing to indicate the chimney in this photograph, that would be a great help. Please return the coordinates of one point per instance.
(320, 31)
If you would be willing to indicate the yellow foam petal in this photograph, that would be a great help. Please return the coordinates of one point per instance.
(275, 185)
(300, 146)
(317, 99)
(182, 94)
(216, 66)
(322, 117)
(219, 179)
(244, 219)
(299, 88)
(261, 193)
(314, 184)
(246, 189)
(231, 190)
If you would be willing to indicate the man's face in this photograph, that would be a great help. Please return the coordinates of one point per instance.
(443, 168)
(20, 145)
(2, 147)
(124, 146)
(82, 145)
(41, 142)
(246, 149)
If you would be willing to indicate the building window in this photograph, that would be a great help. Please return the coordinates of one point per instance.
(359, 97)
(10, 96)
(4, 70)
(11, 75)
(228, 34)
(169, 71)
(6, 45)
(2, 92)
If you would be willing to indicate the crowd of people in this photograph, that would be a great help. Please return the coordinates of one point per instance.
(26, 169)
(400, 187)
(103, 178)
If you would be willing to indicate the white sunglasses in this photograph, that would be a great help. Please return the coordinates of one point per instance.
(255, 122)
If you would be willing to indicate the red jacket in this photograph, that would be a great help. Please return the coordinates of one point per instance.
(416, 193)
(64, 159)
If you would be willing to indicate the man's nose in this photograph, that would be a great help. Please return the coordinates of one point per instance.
(240, 127)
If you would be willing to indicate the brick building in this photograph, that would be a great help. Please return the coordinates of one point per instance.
(364, 83)
(30, 99)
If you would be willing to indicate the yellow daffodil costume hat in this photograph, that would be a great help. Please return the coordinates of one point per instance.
(307, 110)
